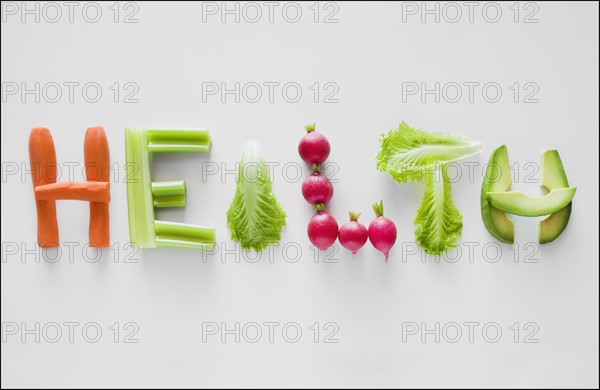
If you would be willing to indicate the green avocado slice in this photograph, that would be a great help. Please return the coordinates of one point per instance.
(553, 176)
(516, 202)
(497, 178)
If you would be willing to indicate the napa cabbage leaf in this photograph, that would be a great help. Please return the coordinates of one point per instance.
(255, 218)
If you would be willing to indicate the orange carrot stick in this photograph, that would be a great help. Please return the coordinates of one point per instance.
(97, 168)
(92, 191)
(42, 158)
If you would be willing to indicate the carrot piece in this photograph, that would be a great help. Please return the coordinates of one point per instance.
(97, 168)
(42, 158)
(91, 191)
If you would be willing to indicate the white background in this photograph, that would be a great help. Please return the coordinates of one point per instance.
(369, 53)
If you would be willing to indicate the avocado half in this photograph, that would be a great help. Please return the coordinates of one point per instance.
(553, 176)
(518, 203)
(497, 178)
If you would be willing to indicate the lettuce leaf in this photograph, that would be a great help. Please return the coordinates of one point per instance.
(438, 222)
(255, 218)
(409, 154)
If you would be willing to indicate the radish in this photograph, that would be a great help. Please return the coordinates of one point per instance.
(317, 188)
(314, 147)
(382, 231)
(322, 229)
(353, 234)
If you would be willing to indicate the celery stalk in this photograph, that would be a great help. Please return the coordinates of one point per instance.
(170, 243)
(169, 193)
(171, 233)
(183, 140)
(169, 201)
(139, 195)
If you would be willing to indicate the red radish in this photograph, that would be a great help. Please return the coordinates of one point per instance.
(314, 147)
(382, 231)
(322, 229)
(353, 234)
(317, 188)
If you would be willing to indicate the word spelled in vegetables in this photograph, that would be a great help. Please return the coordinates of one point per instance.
(314, 149)
(409, 154)
(255, 218)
